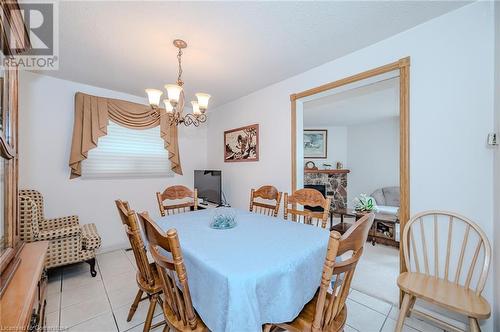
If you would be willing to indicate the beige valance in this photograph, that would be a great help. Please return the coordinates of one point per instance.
(91, 121)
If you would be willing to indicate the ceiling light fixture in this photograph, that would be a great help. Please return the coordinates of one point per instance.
(174, 103)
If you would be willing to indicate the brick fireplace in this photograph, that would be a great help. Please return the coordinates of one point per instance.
(335, 182)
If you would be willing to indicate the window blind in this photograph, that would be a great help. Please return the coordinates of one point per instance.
(128, 153)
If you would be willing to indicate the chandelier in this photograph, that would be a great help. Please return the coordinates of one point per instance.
(174, 103)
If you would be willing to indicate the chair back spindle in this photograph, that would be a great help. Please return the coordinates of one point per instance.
(268, 193)
(131, 225)
(330, 306)
(461, 257)
(307, 197)
(172, 273)
(177, 193)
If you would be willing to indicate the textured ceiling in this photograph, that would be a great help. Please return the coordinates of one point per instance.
(234, 47)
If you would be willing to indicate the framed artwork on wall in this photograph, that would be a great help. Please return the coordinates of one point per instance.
(242, 144)
(315, 143)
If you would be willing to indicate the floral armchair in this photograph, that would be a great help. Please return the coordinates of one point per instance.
(70, 242)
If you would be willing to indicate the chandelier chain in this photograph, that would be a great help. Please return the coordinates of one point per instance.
(179, 60)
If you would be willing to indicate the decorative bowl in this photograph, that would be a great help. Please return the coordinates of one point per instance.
(223, 218)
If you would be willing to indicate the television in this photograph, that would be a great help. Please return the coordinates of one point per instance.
(209, 185)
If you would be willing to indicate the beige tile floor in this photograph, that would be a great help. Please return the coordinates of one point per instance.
(78, 302)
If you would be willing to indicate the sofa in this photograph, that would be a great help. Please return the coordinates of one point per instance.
(387, 199)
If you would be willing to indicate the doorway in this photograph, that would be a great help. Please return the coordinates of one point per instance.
(307, 135)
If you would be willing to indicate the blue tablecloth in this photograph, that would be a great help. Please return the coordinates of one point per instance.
(262, 271)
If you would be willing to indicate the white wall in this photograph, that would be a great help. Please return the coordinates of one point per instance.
(451, 106)
(373, 157)
(496, 247)
(336, 146)
(46, 126)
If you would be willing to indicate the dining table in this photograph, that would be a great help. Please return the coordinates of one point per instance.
(264, 270)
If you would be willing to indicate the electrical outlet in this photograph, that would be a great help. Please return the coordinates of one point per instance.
(492, 139)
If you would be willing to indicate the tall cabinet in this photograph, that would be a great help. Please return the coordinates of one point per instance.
(22, 281)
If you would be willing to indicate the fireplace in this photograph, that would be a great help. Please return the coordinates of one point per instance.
(334, 183)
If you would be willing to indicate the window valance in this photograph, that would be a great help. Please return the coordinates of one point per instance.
(92, 115)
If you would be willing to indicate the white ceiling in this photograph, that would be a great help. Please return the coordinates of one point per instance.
(234, 47)
(356, 106)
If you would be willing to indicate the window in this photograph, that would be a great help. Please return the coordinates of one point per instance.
(128, 153)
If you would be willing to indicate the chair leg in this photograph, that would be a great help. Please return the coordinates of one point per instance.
(410, 307)
(403, 312)
(91, 262)
(151, 310)
(474, 325)
(134, 305)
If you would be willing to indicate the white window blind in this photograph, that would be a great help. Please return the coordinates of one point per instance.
(128, 153)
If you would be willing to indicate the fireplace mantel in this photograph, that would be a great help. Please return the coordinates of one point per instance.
(327, 171)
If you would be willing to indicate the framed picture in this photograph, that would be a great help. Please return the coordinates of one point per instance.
(242, 144)
(315, 143)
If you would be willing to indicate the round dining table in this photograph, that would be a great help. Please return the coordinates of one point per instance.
(264, 270)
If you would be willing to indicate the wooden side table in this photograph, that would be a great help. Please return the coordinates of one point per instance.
(383, 229)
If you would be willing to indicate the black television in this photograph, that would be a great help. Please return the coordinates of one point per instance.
(209, 185)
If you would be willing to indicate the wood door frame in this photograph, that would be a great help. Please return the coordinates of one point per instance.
(403, 66)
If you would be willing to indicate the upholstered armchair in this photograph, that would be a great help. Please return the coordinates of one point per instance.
(70, 242)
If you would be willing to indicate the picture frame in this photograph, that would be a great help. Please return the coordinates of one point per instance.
(242, 144)
(315, 143)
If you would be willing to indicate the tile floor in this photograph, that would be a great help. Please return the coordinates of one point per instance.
(78, 302)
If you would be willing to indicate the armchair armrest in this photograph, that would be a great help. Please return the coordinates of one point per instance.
(61, 232)
(56, 223)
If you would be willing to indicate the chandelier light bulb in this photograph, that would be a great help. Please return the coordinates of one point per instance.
(154, 96)
(203, 99)
(173, 92)
(196, 108)
(168, 106)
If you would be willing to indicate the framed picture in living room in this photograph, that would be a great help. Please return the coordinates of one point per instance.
(315, 143)
(242, 144)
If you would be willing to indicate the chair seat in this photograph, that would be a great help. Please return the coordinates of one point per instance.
(303, 322)
(178, 325)
(90, 237)
(445, 293)
(150, 289)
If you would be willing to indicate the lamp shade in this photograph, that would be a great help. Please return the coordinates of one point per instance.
(154, 96)
(203, 100)
(173, 91)
(168, 107)
(196, 108)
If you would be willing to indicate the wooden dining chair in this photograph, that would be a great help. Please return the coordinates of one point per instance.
(269, 193)
(448, 273)
(327, 310)
(177, 306)
(147, 277)
(307, 197)
(177, 193)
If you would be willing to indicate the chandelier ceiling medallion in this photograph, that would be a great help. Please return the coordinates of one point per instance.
(174, 103)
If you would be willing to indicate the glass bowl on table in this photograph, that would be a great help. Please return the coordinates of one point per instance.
(223, 218)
